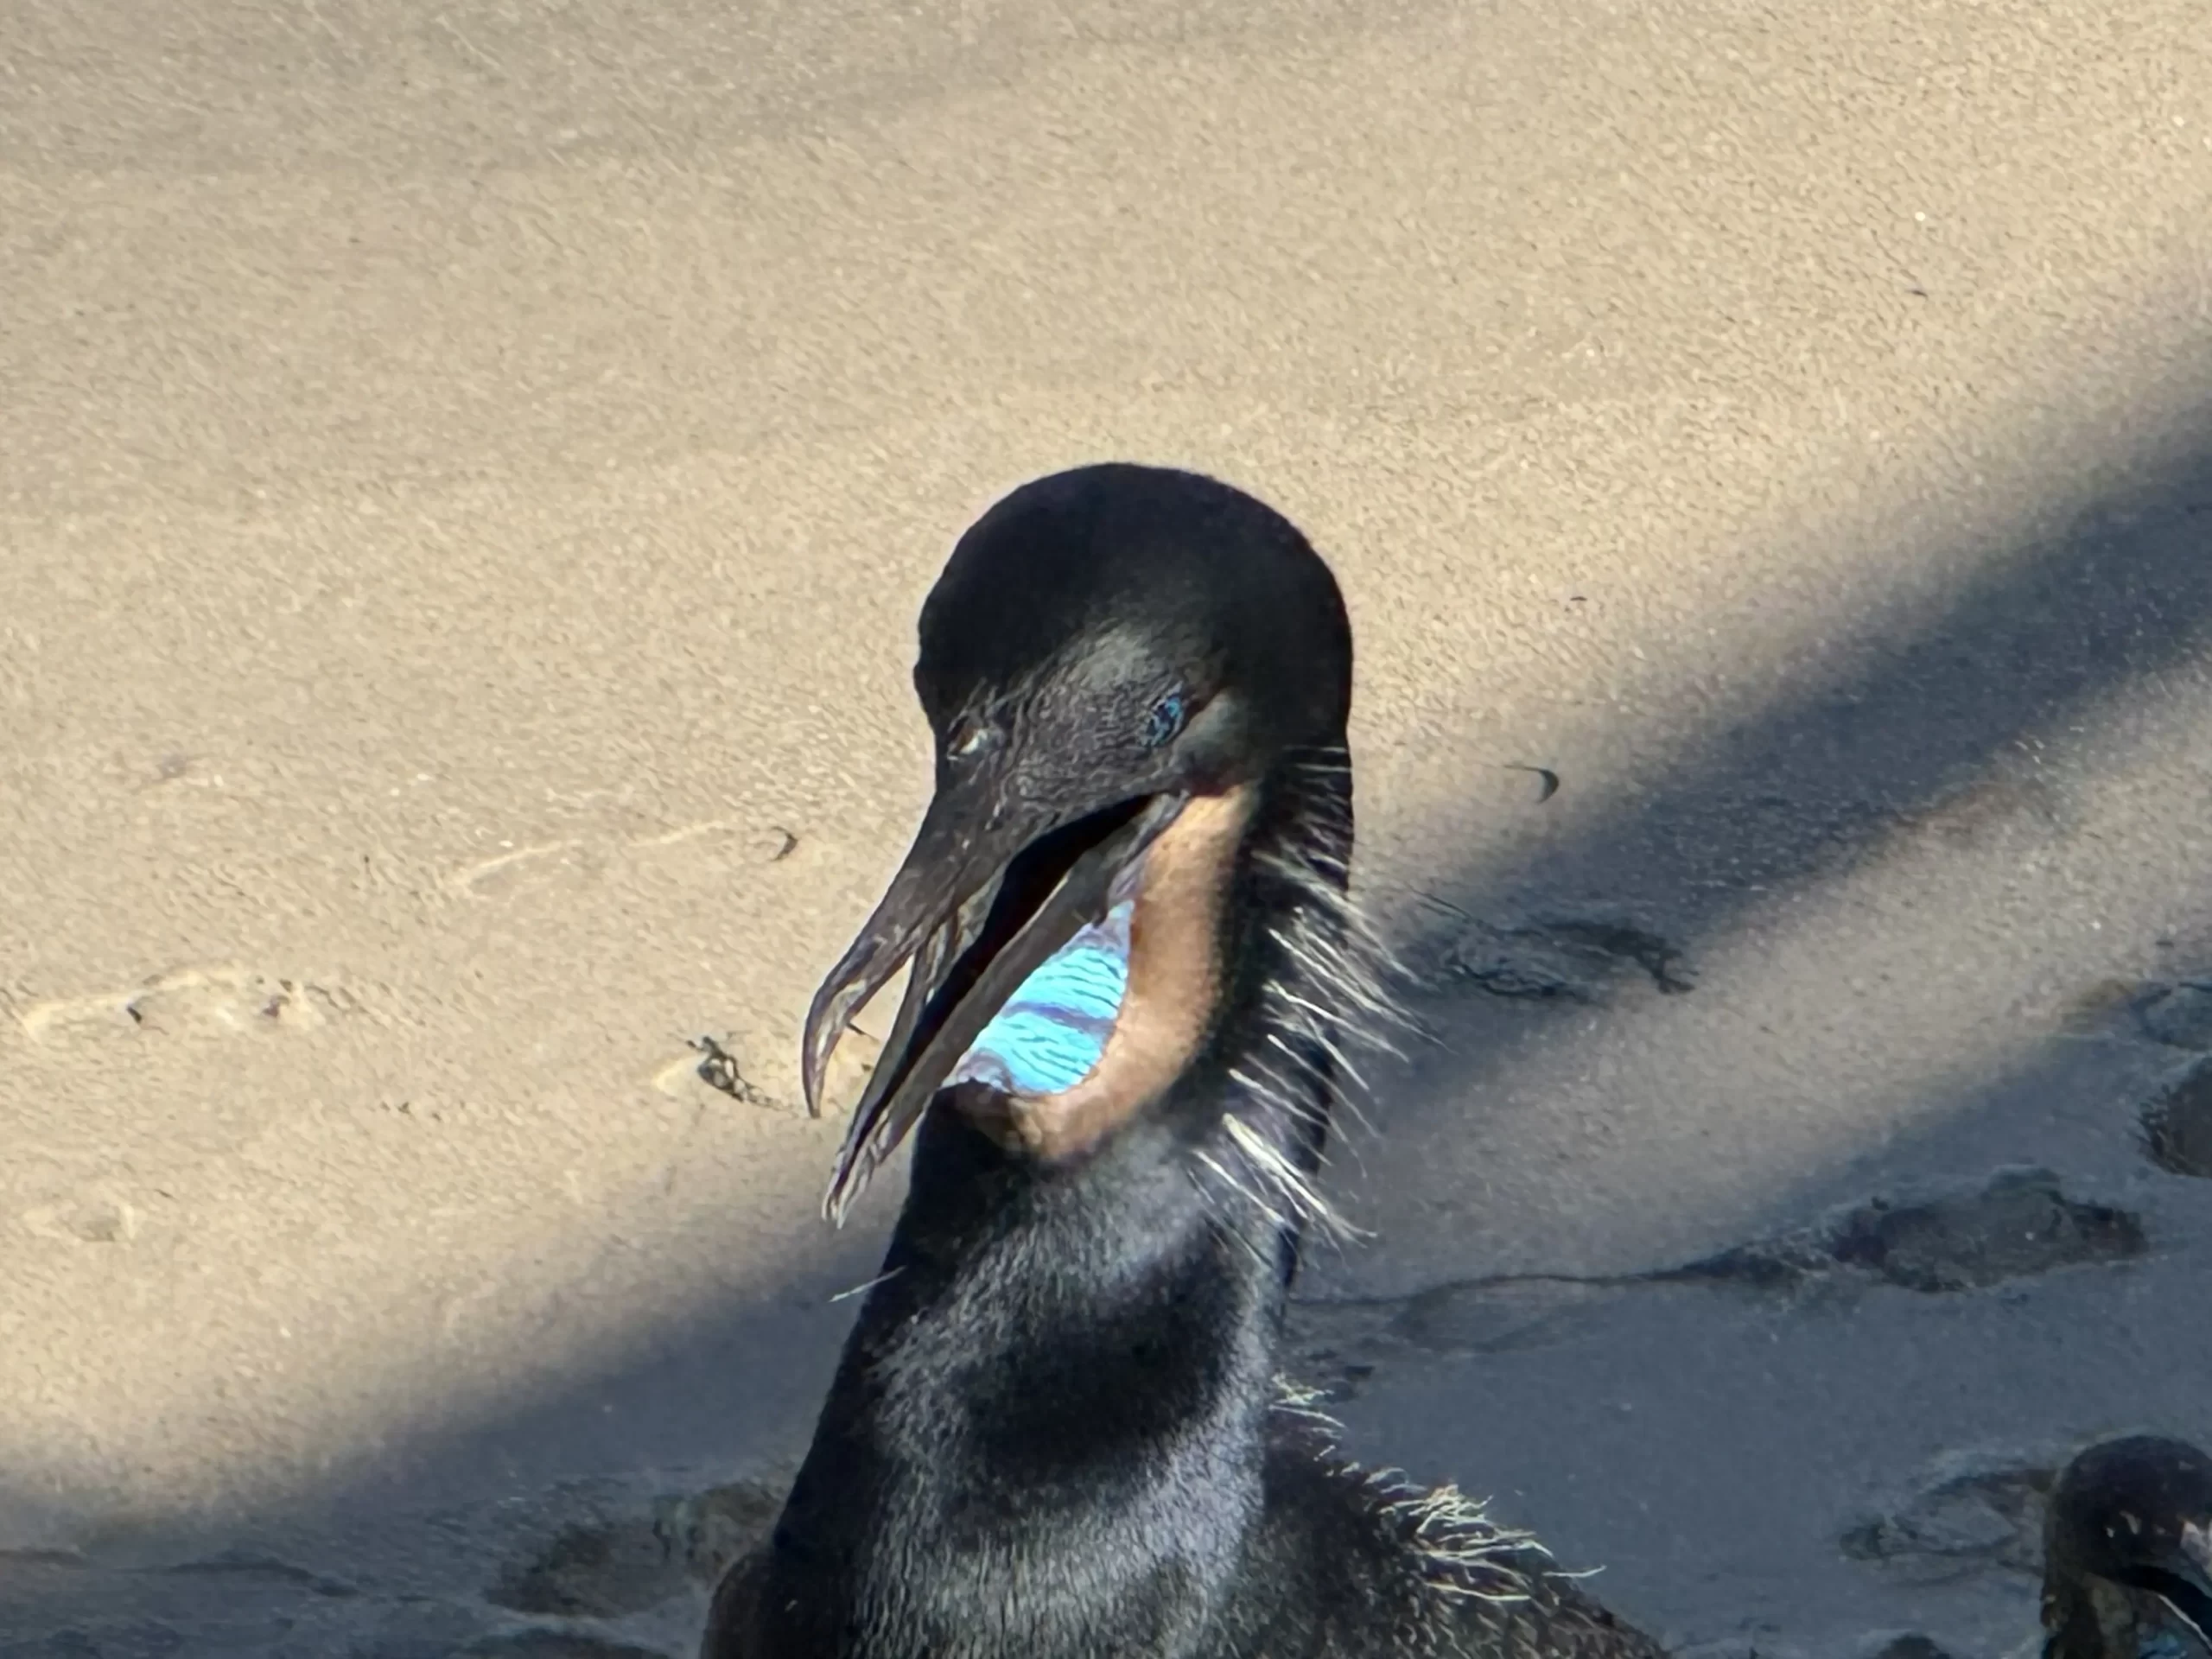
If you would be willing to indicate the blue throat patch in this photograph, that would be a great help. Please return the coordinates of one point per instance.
(1051, 1033)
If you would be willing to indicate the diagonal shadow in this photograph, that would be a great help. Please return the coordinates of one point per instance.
(1593, 1407)
(1805, 788)
(1797, 794)
(1814, 785)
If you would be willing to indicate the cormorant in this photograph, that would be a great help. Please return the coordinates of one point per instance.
(1136, 983)
(2128, 1554)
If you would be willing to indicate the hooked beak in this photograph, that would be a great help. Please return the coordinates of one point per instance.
(986, 895)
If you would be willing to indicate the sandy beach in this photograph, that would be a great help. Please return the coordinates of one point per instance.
(468, 473)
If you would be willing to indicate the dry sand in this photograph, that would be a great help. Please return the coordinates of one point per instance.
(466, 474)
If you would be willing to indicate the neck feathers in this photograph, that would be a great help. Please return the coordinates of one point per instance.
(1315, 1001)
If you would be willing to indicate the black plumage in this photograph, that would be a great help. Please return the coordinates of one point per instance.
(1057, 1429)
(2128, 1554)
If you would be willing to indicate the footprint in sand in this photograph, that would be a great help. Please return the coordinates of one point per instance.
(751, 843)
(190, 1002)
(94, 1217)
(577, 862)
(526, 870)
(2177, 1123)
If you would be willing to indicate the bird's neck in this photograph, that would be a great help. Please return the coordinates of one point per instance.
(1045, 1433)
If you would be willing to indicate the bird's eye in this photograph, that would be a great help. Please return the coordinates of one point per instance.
(968, 738)
(1165, 720)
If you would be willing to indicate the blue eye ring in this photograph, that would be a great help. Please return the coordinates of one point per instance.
(1165, 721)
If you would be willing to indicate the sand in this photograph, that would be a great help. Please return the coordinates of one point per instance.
(467, 476)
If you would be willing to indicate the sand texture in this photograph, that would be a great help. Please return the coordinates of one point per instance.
(467, 473)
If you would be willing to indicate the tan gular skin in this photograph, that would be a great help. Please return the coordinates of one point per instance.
(1174, 979)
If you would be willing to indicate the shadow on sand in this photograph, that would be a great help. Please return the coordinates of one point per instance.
(1792, 797)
